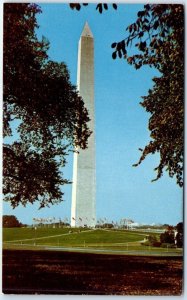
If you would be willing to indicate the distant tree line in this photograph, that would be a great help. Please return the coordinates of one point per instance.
(105, 225)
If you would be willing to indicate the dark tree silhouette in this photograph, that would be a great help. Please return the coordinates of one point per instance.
(159, 30)
(180, 234)
(10, 221)
(42, 106)
(167, 237)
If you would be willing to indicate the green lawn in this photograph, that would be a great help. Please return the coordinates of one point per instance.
(61, 236)
(73, 238)
(10, 234)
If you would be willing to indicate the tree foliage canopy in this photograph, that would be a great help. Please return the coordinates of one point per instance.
(158, 36)
(44, 109)
(159, 31)
(180, 234)
(10, 221)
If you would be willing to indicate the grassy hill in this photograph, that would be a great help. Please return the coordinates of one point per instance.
(85, 239)
(69, 237)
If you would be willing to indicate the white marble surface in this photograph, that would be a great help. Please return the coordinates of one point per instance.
(84, 169)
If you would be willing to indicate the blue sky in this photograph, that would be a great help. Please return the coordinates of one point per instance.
(121, 123)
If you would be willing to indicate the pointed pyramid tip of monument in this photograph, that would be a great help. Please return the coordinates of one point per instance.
(86, 30)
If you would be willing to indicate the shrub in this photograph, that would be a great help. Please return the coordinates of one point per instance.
(167, 237)
(156, 244)
(167, 245)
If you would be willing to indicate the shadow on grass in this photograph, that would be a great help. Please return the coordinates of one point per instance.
(51, 272)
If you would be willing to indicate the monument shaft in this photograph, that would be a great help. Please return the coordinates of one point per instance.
(83, 191)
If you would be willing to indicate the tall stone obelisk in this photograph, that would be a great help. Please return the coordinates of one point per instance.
(83, 211)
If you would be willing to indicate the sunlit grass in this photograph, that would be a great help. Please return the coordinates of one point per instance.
(74, 238)
(10, 234)
(69, 237)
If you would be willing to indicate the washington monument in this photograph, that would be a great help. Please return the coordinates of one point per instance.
(84, 182)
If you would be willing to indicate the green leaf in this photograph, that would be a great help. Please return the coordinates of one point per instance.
(142, 46)
(114, 5)
(114, 55)
(100, 8)
(78, 7)
(156, 24)
(119, 54)
(113, 45)
(141, 13)
(72, 6)
(130, 28)
(147, 6)
(141, 34)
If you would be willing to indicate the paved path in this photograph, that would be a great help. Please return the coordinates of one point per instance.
(110, 251)
(124, 252)
(143, 252)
